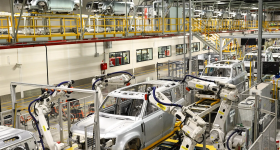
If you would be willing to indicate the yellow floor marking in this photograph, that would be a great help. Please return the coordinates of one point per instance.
(210, 147)
(73, 147)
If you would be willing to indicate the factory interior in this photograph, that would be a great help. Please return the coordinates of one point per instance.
(139, 74)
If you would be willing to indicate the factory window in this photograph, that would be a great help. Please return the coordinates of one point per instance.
(119, 58)
(144, 54)
(164, 51)
(180, 49)
(196, 47)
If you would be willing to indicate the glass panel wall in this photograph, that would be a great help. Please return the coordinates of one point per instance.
(144, 54)
(119, 58)
(164, 51)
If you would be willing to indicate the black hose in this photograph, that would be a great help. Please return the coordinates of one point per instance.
(230, 137)
(36, 122)
(167, 104)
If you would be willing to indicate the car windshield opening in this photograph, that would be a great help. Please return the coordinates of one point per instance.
(217, 72)
(122, 106)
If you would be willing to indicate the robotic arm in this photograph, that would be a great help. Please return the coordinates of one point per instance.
(42, 107)
(193, 125)
(227, 93)
(101, 81)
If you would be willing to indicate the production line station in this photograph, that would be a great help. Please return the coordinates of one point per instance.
(139, 74)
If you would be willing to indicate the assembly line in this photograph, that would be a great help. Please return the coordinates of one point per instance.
(139, 75)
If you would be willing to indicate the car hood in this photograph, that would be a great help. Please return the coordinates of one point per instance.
(221, 79)
(109, 127)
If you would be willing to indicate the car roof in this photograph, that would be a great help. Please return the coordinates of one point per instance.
(224, 64)
(122, 93)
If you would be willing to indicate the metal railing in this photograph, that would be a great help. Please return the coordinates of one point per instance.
(40, 27)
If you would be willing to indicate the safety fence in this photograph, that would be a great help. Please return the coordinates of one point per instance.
(267, 139)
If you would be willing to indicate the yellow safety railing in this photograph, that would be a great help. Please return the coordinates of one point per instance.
(51, 26)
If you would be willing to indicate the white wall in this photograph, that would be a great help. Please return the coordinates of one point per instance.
(74, 62)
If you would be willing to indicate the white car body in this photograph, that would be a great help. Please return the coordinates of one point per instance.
(226, 71)
(50, 5)
(146, 124)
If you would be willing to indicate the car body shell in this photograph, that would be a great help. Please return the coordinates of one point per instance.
(234, 78)
(147, 128)
(109, 8)
(51, 5)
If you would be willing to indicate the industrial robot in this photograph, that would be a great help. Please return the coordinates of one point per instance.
(194, 126)
(101, 81)
(42, 107)
(45, 102)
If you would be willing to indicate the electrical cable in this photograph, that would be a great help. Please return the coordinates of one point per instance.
(36, 123)
(197, 78)
(167, 104)
(230, 137)
(93, 85)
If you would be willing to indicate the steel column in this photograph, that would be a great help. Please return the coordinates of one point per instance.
(184, 43)
(162, 17)
(96, 129)
(24, 1)
(259, 60)
(60, 122)
(69, 123)
(126, 31)
(256, 117)
(13, 20)
(190, 37)
(221, 48)
(81, 19)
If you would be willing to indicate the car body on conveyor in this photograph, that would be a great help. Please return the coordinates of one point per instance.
(129, 120)
(16, 139)
(226, 71)
(61, 6)
(109, 7)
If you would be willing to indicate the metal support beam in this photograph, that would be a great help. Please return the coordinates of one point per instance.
(184, 31)
(190, 36)
(221, 48)
(96, 123)
(21, 11)
(162, 17)
(256, 117)
(126, 31)
(81, 19)
(259, 60)
(13, 20)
